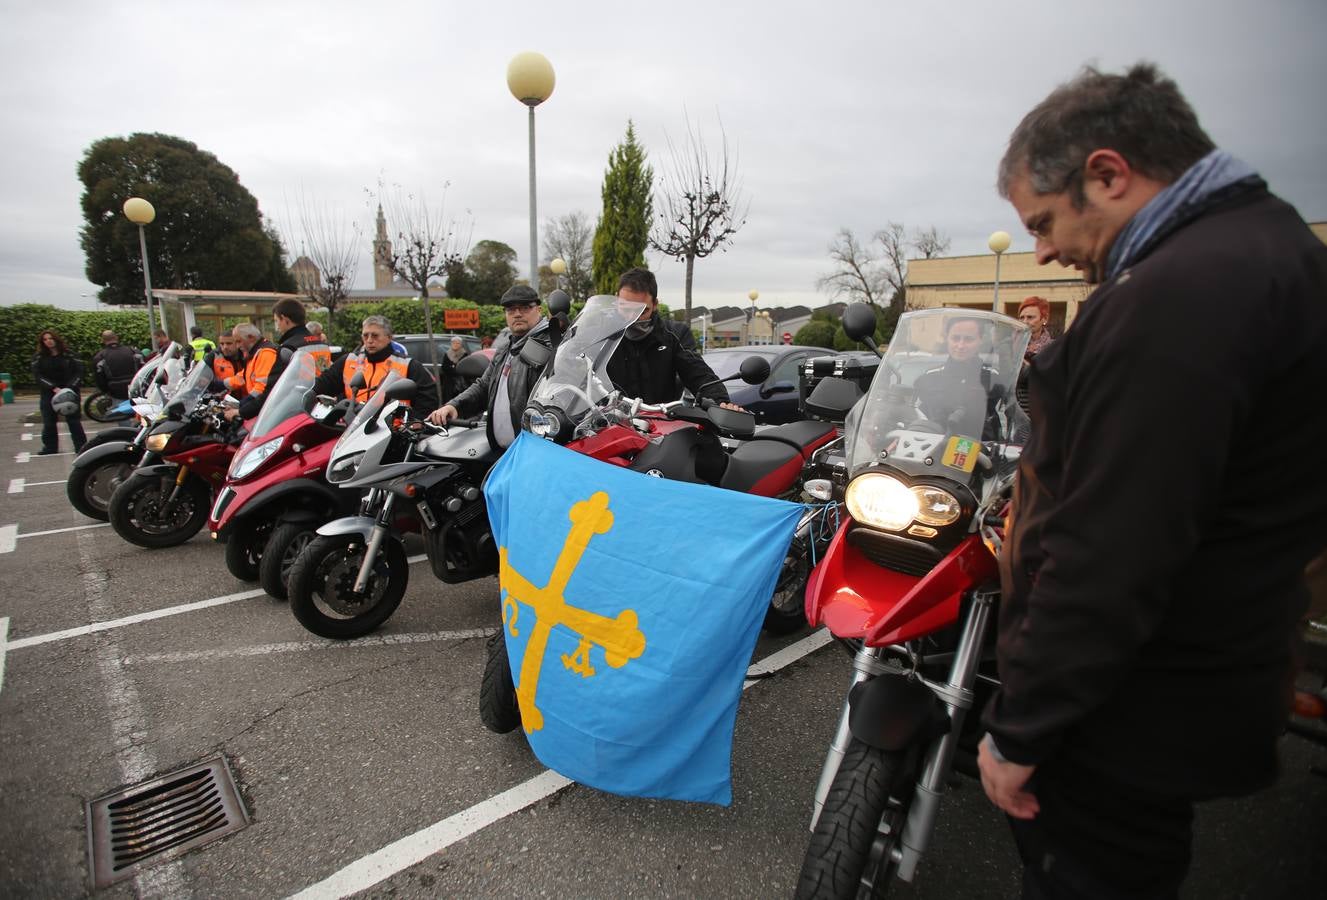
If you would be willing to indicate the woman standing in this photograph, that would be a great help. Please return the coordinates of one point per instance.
(1035, 313)
(56, 369)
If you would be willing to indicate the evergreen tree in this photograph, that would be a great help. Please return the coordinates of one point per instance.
(624, 225)
(208, 233)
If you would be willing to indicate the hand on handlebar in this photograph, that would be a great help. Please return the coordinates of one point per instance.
(733, 406)
(443, 414)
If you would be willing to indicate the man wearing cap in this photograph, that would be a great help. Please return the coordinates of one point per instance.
(505, 386)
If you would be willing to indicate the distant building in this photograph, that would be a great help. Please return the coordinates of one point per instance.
(386, 286)
(307, 277)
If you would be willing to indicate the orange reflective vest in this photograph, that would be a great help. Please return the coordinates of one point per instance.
(222, 368)
(316, 345)
(257, 370)
(374, 373)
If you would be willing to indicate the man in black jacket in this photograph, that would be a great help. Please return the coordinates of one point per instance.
(652, 358)
(115, 365)
(505, 386)
(1153, 565)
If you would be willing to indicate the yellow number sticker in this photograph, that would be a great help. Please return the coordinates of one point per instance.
(961, 453)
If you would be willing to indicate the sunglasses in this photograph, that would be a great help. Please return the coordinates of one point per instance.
(521, 307)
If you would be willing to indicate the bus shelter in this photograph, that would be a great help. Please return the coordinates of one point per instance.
(213, 310)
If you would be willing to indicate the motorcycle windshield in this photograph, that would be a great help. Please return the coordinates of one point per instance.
(578, 379)
(193, 387)
(368, 413)
(143, 378)
(943, 397)
(286, 397)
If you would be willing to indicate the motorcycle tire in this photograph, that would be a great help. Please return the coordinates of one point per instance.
(132, 507)
(498, 709)
(786, 612)
(844, 855)
(244, 551)
(90, 488)
(98, 405)
(285, 545)
(321, 583)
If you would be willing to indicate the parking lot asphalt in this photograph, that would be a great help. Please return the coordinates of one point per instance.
(365, 768)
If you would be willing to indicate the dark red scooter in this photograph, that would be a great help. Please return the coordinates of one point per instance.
(276, 494)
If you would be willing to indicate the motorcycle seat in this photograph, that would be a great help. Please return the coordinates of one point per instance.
(806, 436)
(766, 468)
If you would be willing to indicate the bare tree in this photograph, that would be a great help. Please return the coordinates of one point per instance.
(332, 244)
(878, 274)
(856, 274)
(702, 204)
(571, 238)
(427, 246)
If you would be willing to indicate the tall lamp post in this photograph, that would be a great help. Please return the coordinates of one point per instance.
(704, 329)
(753, 296)
(140, 212)
(999, 243)
(557, 266)
(530, 80)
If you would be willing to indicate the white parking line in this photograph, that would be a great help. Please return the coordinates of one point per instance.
(139, 617)
(16, 485)
(379, 640)
(4, 646)
(8, 538)
(132, 620)
(364, 873)
(40, 483)
(22, 457)
(26, 436)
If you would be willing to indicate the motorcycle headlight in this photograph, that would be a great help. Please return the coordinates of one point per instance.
(541, 424)
(244, 464)
(936, 506)
(881, 501)
(157, 442)
(343, 469)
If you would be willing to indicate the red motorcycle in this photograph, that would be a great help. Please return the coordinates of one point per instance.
(910, 583)
(165, 500)
(276, 493)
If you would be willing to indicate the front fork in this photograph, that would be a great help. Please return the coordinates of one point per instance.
(957, 695)
(180, 478)
(380, 531)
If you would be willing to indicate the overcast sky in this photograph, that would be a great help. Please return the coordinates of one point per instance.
(842, 113)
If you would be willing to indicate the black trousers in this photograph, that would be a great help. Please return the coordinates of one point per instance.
(1097, 838)
(50, 433)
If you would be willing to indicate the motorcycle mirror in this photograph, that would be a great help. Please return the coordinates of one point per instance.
(357, 382)
(472, 366)
(400, 390)
(559, 303)
(754, 369)
(859, 324)
(174, 409)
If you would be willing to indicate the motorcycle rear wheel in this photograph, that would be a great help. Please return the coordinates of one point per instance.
(321, 586)
(286, 544)
(498, 708)
(136, 506)
(244, 550)
(90, 488)
(861, 824)
(787, 607)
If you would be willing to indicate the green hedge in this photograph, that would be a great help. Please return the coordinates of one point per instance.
(20, 325)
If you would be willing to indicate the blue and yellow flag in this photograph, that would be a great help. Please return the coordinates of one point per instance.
(631, 606)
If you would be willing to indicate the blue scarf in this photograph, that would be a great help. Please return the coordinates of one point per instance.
(1175, 203)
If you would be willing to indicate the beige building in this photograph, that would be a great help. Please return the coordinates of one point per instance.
(969, 282)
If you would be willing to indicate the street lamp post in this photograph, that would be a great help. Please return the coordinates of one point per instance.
(140, 212)
(530, 79)
(999, 243)
(557, 266)
(753, 296)
(704, 328)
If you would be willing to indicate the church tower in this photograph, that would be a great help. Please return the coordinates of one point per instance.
(382, 255)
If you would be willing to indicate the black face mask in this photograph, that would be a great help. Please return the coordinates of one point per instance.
(640, 330)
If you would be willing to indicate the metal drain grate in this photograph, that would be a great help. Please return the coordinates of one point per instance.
(136, 827)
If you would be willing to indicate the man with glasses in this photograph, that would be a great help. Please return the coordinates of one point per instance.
(505, 386)
(375, 360)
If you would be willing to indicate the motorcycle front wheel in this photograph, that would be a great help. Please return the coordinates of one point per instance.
(322, 592)
(244, 550)
(90, 488)
(787, 608)
(98, 405)
(140, 511)
(498, 709)
(851, 849)
(284, 547)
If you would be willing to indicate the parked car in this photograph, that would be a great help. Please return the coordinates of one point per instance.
(417, 347)
(775, 401)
